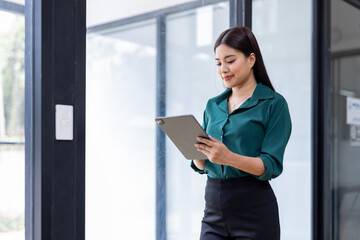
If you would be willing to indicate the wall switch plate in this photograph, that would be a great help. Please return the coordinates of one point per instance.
(64, 122)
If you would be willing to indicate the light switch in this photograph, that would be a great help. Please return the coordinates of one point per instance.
(64, 122)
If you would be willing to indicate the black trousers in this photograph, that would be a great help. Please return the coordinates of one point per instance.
(240, 209)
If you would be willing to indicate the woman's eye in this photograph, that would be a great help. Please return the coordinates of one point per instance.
(218, 64)
(231, 61)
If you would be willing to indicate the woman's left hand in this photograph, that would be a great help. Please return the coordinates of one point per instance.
(215, 150)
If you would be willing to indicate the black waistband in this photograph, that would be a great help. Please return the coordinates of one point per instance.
(237, 182)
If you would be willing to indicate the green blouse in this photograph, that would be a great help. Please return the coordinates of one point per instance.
(260, 127)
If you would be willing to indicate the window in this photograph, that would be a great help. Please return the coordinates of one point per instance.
(120, 133)
(12, 158)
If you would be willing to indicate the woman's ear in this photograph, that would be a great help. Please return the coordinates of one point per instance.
(252, 59)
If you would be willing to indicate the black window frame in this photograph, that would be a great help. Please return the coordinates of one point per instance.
(321, 122)
(55, 37)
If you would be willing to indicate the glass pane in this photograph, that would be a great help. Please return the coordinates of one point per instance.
(120, 133)
(283, 29)
(191, 80)
(345, 49)
(12, 158)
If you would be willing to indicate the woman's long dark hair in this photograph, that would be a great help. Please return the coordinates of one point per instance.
(242, 39)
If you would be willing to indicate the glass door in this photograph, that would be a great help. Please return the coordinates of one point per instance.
(345, 67)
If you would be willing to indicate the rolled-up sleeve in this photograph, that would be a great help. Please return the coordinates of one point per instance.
(204, 125)
(195, 168)
(277, 135)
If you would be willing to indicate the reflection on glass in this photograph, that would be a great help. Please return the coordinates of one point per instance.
(191, 81)
(120, 134)
(283, 30)
(346, 148)
(345, 64)
(12, 158)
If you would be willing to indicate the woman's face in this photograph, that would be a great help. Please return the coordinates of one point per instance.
(233, 66)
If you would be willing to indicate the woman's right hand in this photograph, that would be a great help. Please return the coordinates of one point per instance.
(200, 164)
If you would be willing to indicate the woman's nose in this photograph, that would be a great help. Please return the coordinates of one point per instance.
(224, 68)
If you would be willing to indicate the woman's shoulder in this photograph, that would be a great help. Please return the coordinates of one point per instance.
(272, 94)
(278, 97)
(265, 92)
(278, 103)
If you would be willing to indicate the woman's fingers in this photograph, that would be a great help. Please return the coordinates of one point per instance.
(200, 145)
(205, 141)
(202, 148)
(204, 151)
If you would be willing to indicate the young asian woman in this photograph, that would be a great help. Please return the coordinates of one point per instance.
(249, 126)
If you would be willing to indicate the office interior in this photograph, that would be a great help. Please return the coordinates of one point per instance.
(120, 64)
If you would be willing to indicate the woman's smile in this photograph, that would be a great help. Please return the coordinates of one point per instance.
(226, 78)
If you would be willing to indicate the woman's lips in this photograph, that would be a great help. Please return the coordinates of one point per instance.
(227, 77)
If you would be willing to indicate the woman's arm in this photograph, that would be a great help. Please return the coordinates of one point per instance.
(218, 153)
(200, 164)
(252, 165)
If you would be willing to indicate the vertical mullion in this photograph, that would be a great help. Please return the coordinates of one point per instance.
(241, 13)
(160, 136)
(29, 16)
(247, 13)
(321, 123)
(80, 118)
(33, 42)
(233, 8)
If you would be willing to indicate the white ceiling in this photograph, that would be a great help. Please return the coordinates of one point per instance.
(99, 12)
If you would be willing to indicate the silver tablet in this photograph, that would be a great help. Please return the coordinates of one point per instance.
(183, 131)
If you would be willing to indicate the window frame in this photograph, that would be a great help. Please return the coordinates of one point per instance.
(12, 7)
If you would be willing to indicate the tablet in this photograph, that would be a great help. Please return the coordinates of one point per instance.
(183, 131)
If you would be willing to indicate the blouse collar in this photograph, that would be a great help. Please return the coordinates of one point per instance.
(261, 92)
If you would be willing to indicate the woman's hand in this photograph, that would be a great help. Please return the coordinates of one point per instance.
(218, 153)
(215, 150)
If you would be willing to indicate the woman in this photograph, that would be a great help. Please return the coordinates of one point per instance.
(249, 126)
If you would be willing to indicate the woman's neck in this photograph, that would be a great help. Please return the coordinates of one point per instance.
(246, 89)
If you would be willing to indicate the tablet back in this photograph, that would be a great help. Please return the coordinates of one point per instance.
(183, 131)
